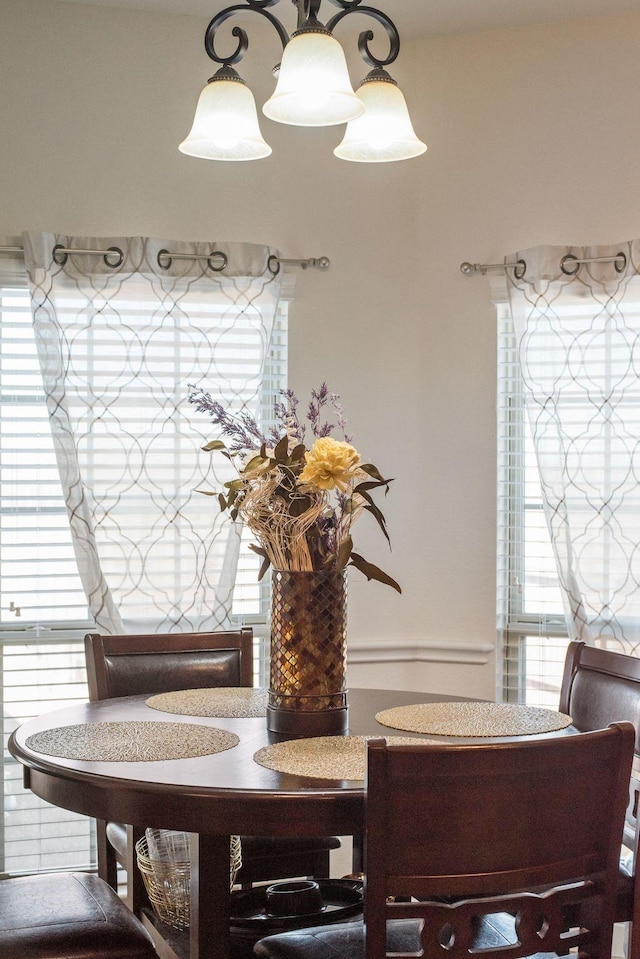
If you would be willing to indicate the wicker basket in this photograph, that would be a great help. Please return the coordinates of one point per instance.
(168, 879)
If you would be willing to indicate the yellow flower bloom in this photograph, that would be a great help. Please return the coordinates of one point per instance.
(330, 463)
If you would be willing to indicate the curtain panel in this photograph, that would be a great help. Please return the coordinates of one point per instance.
(120, 337)
(576, 313)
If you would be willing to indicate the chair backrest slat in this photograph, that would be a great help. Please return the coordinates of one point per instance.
(128, 665)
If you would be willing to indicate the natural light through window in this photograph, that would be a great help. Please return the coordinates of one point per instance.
(530, 612)
(43, 611)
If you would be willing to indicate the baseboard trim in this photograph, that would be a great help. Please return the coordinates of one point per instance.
(420, 651)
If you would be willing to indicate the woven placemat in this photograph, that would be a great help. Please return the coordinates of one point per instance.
(474, 719)
(324, 757)
(224, 702)
(131, 742)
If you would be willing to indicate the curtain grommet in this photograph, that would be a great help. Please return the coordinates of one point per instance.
(114, 251)
(163, 254)
(222, 256)
(569, 258)
(273, 264)
(58, 254)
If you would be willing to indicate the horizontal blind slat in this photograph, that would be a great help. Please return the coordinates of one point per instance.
(531, 622)
(43, 611)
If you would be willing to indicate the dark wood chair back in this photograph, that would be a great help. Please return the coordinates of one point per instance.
(484, 828)
(158, 663)
(601, 687)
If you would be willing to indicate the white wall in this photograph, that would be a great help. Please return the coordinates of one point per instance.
(534, 137)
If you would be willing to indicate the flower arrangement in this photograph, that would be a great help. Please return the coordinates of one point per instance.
(300, 502)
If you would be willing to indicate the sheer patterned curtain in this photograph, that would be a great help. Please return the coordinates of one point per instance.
(120, 337)
(578, 330)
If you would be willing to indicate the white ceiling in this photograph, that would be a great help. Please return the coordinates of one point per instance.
(423, 17)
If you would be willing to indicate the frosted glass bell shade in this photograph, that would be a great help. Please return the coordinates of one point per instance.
(313, 88)
(225, 126)
(384, 131)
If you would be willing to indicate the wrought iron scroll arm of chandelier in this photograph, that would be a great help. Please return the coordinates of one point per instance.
(307, 13)
(367, 35)
(257, 6)
(313, 89)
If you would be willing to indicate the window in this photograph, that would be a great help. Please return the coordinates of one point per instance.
(531, 620)
(43, 613)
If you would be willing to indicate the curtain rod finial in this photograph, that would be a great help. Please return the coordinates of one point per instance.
(469, 268)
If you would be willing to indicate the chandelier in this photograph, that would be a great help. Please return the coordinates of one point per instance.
(313, 89)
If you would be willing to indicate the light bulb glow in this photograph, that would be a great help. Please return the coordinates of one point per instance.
(225, 126)
(384, 131)
(226, 139)
(313, 87)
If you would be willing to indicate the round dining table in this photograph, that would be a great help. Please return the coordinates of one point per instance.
(210, 796)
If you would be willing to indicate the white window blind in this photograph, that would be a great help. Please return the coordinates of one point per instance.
(531, 620)
(43, 613)
(531, 617)
(37, 677)
(38, 577)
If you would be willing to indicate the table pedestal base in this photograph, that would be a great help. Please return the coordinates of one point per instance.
(306, 723)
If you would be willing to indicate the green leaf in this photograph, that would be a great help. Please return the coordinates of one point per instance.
(370, 484)
(371, 507)
(297, 453)
(235, 488)
(373, 572)
(223, 502)
(281, 452)
(255, 463)
(266, 561)
(258, 549)
(349, 506)
(344, 552)
(206, 492)
(263, 569)
(372, 470)
(214, 445)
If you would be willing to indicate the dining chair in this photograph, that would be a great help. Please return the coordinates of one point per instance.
(127, 665)
(482, 850)
(68, 916)
(599, 687)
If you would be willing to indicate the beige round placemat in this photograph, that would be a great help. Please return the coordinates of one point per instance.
(474, 719)
(131, 742)
(324, 757)
(224, 702)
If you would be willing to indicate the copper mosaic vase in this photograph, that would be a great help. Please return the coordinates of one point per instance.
(307, 690)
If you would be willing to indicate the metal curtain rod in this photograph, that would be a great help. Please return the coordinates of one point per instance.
(470, 268)
(60, 254)
(569, 265)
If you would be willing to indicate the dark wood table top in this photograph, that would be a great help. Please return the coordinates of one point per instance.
(225, 793)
